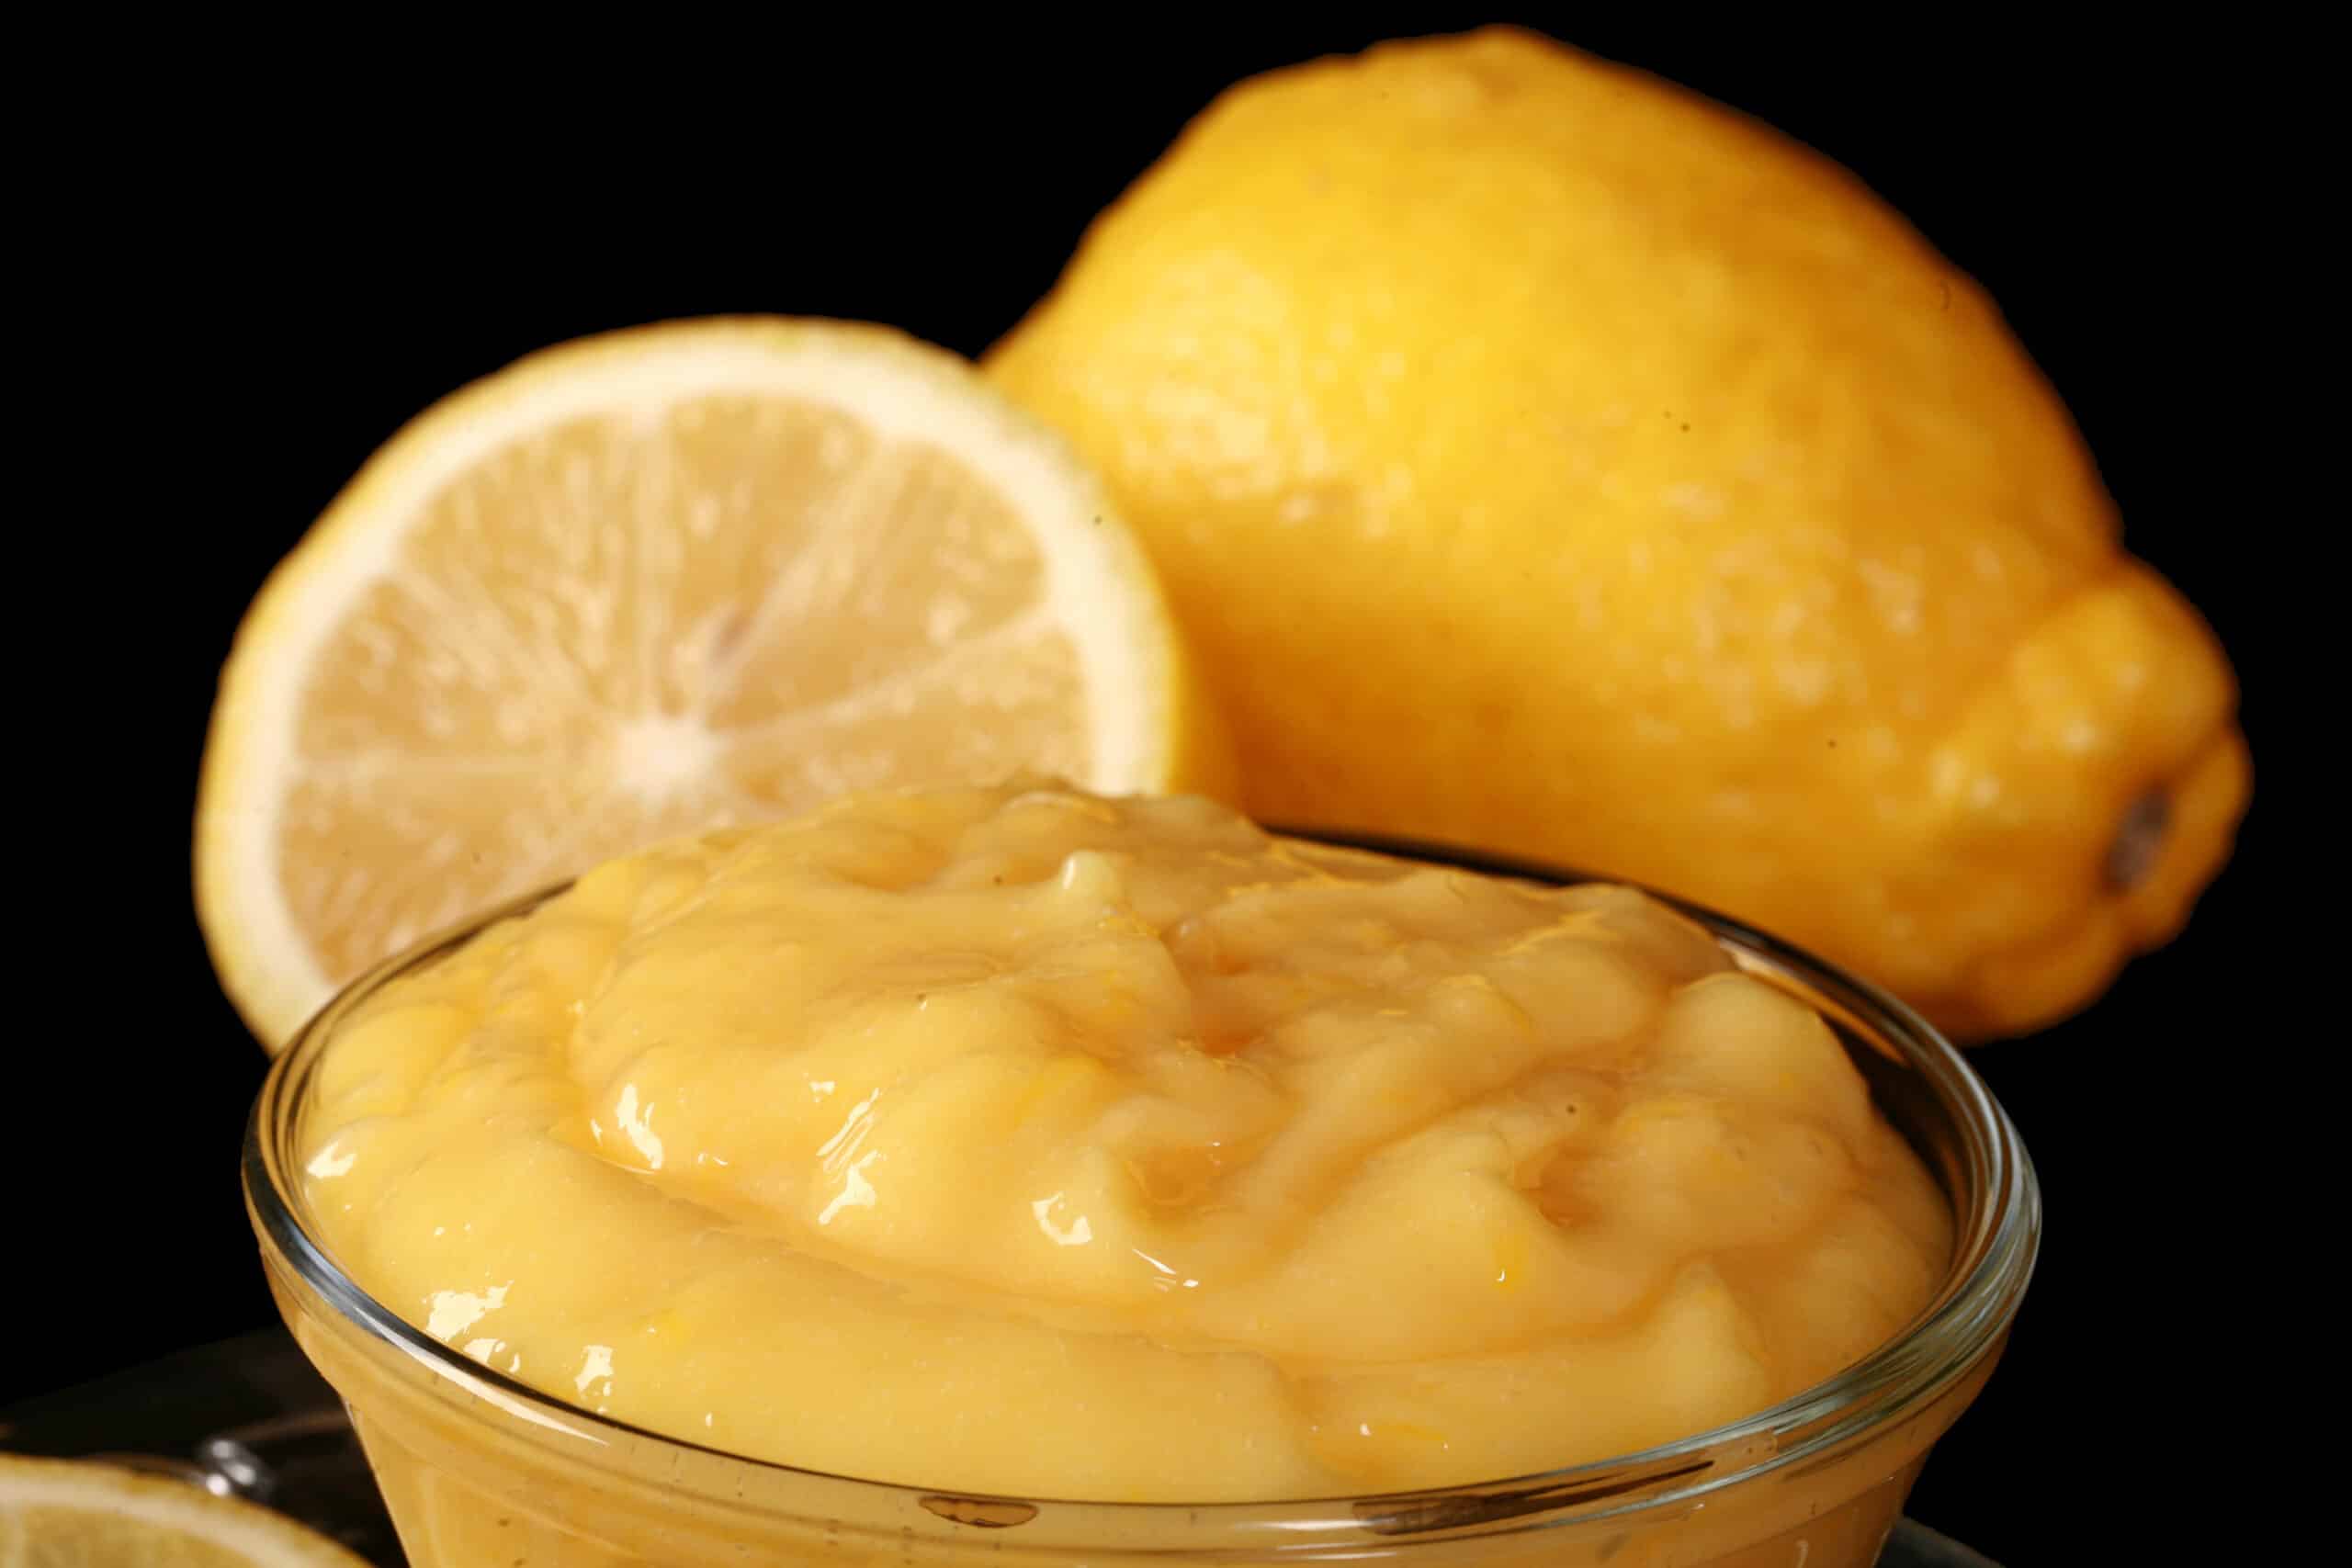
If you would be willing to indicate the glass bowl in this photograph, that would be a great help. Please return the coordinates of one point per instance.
(480, 1470)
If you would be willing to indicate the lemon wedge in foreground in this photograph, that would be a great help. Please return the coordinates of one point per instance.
(59, 1514)
(653, 582)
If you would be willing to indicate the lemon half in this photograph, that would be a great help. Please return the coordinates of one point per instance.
(659, 582)
(61, 1514)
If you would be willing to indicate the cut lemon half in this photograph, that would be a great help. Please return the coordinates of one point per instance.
(67, 1514)
(653, 582)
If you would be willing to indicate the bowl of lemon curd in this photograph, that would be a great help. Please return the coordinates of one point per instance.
(1015, 1174)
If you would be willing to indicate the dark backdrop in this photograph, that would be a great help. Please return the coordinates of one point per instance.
(321, 263)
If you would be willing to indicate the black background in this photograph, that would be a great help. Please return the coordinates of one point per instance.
(321, 265)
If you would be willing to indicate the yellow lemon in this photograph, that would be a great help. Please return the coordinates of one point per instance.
(1546, 457)
(54, 1514)
(655, 582)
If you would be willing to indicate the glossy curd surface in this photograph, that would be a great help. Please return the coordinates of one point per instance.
(1019, 1140)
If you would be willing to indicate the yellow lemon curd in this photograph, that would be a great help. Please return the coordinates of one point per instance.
(1017, 1139)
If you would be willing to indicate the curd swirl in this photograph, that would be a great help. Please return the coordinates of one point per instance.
(1020, 1139)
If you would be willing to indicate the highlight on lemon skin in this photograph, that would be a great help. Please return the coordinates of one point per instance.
(653, 582)
(1544, 457)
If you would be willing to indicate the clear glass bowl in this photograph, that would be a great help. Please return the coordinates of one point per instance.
(480, 1470)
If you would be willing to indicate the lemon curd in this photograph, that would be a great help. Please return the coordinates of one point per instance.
(1021, 1140)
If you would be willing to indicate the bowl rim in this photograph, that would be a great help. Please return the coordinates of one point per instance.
(1995, 1242)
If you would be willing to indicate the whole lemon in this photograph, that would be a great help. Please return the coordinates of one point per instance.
(1547, 459)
